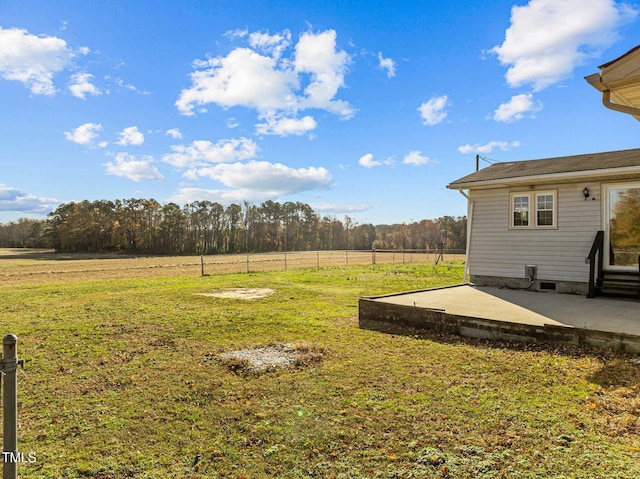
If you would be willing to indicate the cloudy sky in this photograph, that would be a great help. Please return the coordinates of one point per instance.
(366, 109)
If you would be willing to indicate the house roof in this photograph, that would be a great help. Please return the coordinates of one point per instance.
(619, 80)
(594, 166)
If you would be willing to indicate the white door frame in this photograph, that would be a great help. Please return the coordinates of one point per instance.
(606, 188)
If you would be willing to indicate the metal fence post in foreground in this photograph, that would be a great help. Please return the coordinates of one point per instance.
(10, 406)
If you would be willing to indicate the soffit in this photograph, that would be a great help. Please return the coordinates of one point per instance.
(622, 78)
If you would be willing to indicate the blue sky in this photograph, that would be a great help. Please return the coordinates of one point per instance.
(366, 109)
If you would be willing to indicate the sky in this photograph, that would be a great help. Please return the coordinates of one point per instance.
(366, 109)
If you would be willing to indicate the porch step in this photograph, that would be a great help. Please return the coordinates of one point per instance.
(621, 283)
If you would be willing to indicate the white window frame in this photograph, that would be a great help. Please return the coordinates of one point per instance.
(512, 210)
(554, 209)
(533, 209)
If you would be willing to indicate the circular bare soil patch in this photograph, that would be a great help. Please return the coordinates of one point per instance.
(240, 293)
(271, 358)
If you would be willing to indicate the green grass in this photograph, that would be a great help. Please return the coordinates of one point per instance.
(122, 381)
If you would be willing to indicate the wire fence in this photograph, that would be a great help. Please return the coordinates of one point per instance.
(282, 261)
(46, 266)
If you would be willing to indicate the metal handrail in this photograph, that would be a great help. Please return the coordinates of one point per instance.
(597, 249)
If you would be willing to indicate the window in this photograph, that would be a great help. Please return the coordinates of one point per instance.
(541, 205)
(544, 210)
(520, 211)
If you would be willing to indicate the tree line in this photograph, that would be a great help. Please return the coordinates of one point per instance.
(205, 227)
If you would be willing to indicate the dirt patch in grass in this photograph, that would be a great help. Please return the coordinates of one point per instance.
(270, 358)
(240, 293)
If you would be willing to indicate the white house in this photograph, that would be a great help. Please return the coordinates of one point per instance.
(535, 224)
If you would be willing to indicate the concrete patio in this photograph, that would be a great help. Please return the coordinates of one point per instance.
(507, 314)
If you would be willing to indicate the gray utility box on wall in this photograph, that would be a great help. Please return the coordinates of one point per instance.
(530, 272)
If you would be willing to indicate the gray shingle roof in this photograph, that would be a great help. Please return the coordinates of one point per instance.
(551, 166)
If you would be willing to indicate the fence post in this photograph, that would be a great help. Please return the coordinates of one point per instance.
(202, 264)
(10, 407)
(285, 261)
(373, 256)
(247, 263)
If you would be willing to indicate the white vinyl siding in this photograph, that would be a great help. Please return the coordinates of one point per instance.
(497, 249)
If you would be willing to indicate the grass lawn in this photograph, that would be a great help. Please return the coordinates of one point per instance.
(123, 380)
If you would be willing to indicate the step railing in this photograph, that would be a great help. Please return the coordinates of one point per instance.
(597, 250)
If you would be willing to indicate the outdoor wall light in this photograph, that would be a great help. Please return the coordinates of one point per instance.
(585, 192)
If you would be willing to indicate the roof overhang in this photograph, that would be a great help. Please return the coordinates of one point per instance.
(629, 172)
(619, 83)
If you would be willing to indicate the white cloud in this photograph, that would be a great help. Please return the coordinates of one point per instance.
(516, 108)
(547, 39)
(434, 111)
(224, 162)
(368, 162)
(273, 45)
(81, 85)
(416, 158)
(12, 199)
(128, 166)
(334, 208)
(174, 133)
(388, 65)
(286, 126)
(128, 86)
(242, 78)
(237, 33)
(317, 55)
(131, 136)
(189, 195)
(202, 152)
(32, 60)
(488, 147)
(265, 81)
(84, 134)
(272, 178)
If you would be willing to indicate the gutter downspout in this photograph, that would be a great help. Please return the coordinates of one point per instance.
(469, 225)
(606, 101)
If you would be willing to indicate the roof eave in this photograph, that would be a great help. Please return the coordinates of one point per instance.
(595, 80)
(552, 177)
(619, 83)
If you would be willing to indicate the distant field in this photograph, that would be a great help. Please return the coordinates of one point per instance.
(39, 265)
(125, 378)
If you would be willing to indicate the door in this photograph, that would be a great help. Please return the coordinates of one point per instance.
(622, 226)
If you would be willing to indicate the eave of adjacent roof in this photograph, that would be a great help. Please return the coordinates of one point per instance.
(619, 83)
